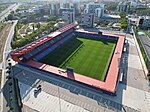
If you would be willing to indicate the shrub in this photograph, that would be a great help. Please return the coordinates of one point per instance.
(11, 108)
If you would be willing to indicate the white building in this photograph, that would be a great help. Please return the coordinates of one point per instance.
(99, 12)
(54, 9)
(96, 8)
(60, 24)
(124, 6)
(144, 22)
(68, 17)
(75, 6)
(61, 10)
(137, 5)
(87, 20)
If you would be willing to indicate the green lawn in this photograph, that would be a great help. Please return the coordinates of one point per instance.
(3, 7)
(87, 57)
(1, 26)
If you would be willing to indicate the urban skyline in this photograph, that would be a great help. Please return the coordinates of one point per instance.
(74, 56)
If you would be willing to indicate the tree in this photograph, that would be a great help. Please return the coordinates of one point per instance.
(10, 16)
(124, 21)
(111, 7)
(31, 37)
(12, 12)
(142, 12)
(122, 14)
(33, 26)
(38, 25)
(52, 18)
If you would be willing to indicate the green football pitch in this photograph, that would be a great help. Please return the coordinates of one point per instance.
(87, 57)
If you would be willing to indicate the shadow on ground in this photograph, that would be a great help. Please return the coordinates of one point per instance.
(67, 48)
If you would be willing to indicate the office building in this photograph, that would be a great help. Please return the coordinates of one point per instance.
(87, 20)
(96, 8)
(68, 17)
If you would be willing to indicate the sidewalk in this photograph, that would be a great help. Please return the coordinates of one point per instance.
(7, 47)
(140, 55)
(0, 65)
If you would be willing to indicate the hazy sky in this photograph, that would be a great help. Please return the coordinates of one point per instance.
(55, 0)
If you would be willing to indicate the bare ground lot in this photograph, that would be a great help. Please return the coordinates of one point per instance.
(3, 36)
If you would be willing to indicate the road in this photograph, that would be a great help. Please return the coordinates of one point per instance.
(145, 40)
(4, 82)
(6, 12)
(3, 37)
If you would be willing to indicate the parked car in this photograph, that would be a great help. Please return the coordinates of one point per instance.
(8, 77)
(38, 89)
(8, 71)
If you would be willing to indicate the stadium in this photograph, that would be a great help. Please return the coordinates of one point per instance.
(90, 58)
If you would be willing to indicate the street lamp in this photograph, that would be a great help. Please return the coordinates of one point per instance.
(59, 99)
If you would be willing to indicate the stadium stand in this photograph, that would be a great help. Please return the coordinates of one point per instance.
(95, 36)
(53, 47)
(43, 46)
(21, 52)
(47, 47)
(40, 48)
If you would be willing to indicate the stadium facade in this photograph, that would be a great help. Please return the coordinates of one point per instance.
(30, 55)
